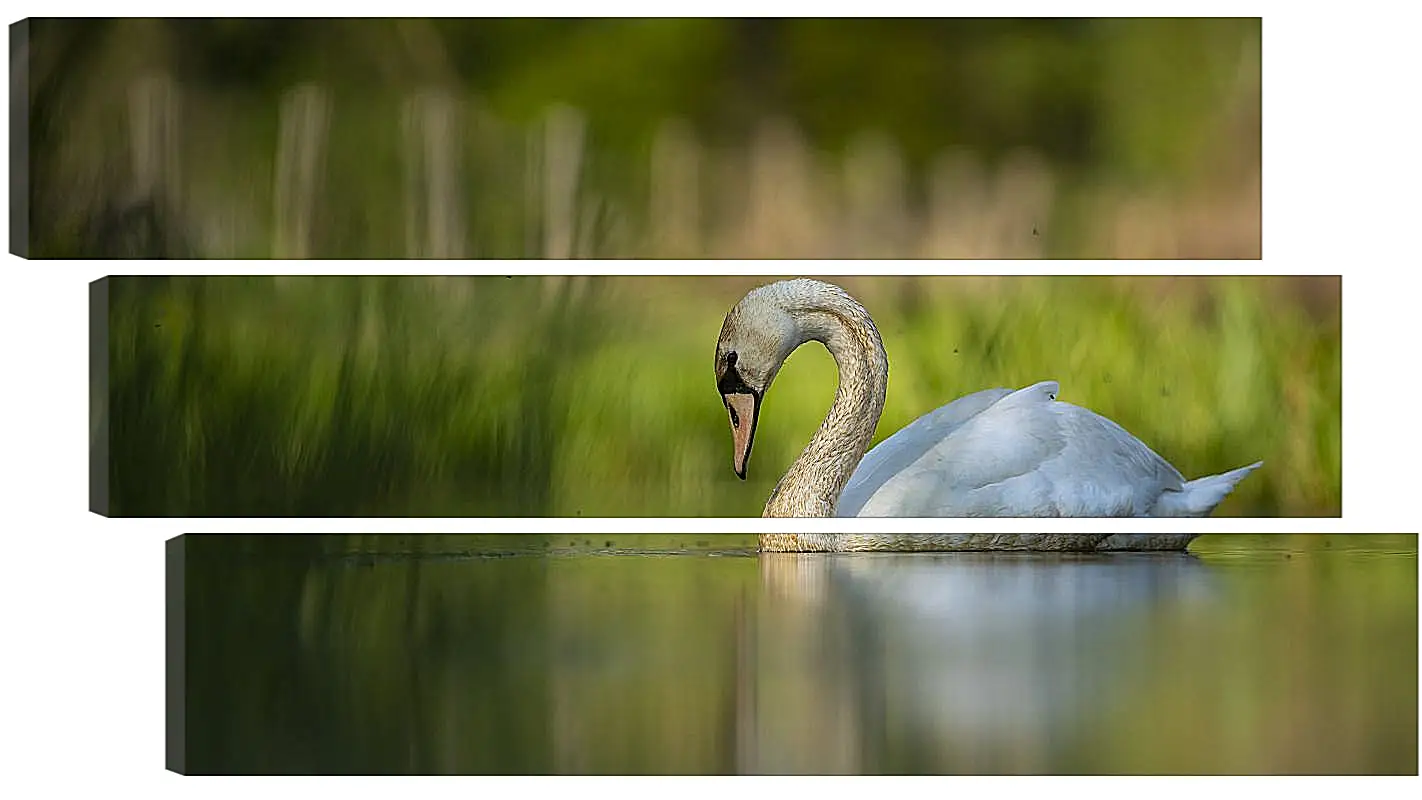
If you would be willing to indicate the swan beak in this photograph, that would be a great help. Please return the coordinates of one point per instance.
(743, 409)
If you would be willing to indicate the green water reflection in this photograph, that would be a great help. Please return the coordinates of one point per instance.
(690, 654)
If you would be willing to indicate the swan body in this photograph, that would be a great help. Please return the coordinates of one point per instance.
(993, 453)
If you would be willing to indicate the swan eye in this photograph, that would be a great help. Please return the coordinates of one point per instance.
(731, 359)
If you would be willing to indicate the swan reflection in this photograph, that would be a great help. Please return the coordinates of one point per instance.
(983, 661)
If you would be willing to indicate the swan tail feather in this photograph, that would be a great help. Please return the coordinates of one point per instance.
(1200, 496)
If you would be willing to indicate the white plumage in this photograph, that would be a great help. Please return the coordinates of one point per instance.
(999, 453)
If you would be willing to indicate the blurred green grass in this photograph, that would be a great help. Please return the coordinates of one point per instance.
(725, 138)
(589, 396)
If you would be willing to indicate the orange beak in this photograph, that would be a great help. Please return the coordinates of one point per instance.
(744, 410)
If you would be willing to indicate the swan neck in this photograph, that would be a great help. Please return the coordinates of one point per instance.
(812, 485)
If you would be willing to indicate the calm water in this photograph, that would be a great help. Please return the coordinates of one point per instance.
(440, 654)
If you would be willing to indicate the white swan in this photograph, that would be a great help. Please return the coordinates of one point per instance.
(992, 453)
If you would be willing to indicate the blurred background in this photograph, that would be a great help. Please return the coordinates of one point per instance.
(595, 396)
(719, 138)
(676, 653)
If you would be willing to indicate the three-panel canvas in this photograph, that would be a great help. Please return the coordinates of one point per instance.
(714, 396)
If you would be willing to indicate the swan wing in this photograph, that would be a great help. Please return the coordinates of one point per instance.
(908, 445)
(1025, 454)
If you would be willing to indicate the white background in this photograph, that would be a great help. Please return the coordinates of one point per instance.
(82, 642)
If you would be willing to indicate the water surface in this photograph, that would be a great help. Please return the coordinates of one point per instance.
(691, 654)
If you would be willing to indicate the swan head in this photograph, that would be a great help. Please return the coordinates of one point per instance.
(758, 335)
